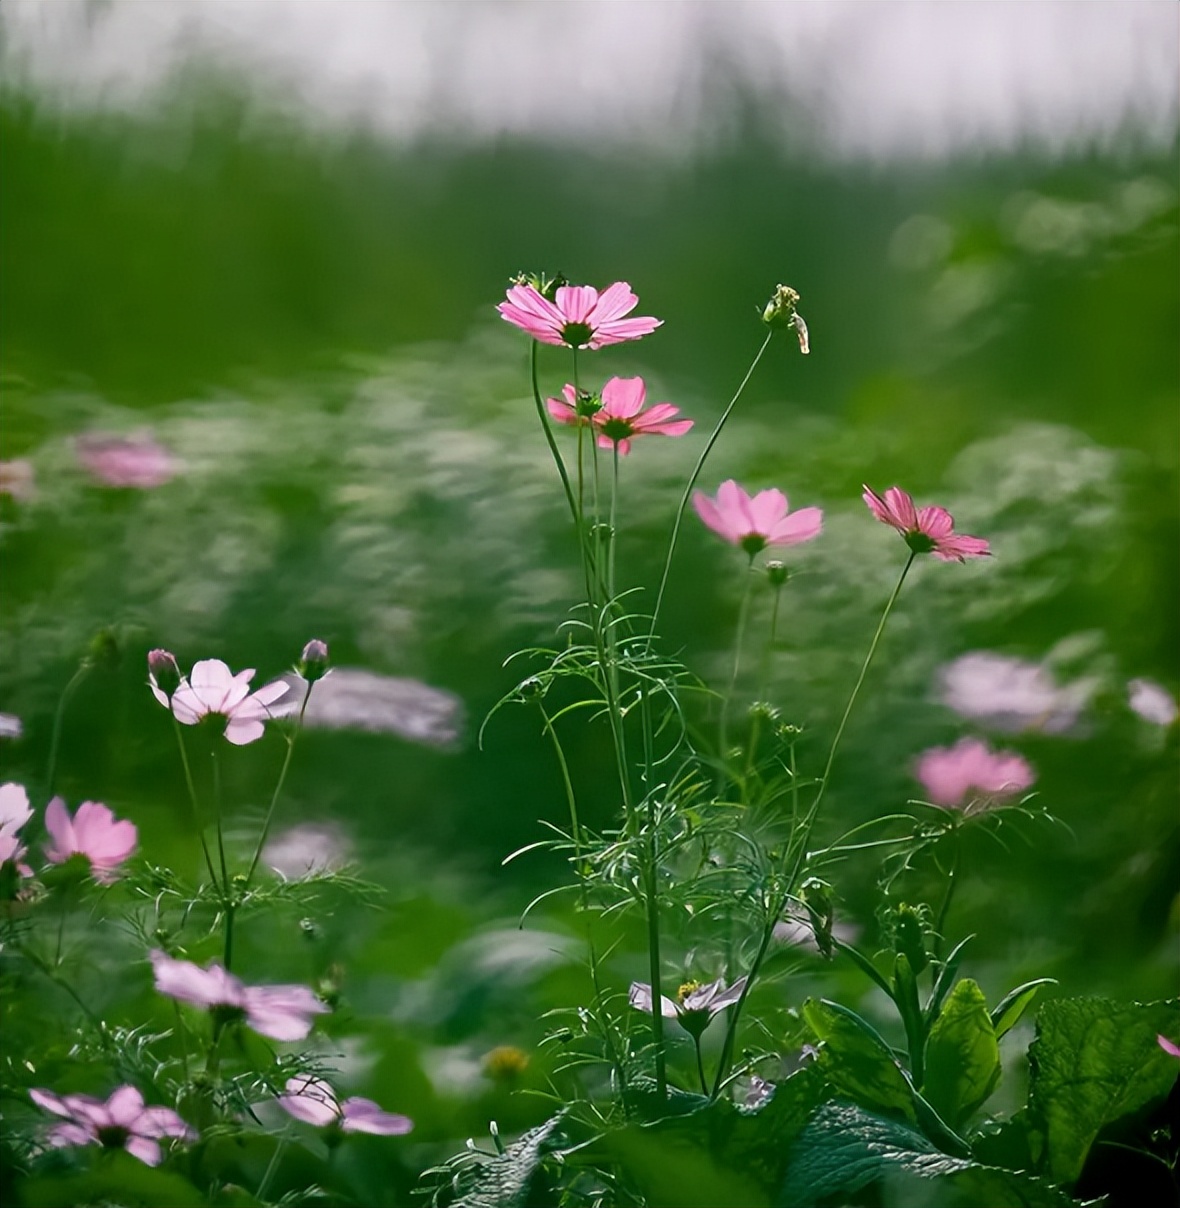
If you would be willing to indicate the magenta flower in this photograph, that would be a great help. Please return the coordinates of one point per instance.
(971, 776)
(280, 1012)
(137, 462)
(122, 1122)
(313, 1101)
(620, 415)
(579, 316)
(929, 530)
(695, 1003)
(214, 690)
(758, 522)
(93, 833)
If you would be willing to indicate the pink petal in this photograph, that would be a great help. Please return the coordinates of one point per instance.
(281, 1012)
(712, 515)
(767, 510)
(145, 1149)
(363, 1115)
(901, 505)
(242, 731)
(563, 410)
(734, 504)
(935, 522)
(48, 1101)
(215, 685)
(71, 1134)
(877, 506)
(639, 996)
(190, 983)
(161, 1122)
(622, 330)
(187, 707)
(14, 807)
(311, 1100)
(1168, 1046)
(623, 398)
(959, 547)
(575, 302)
(615, 301)
(799, 526)
(61, 831)
(125, 1106)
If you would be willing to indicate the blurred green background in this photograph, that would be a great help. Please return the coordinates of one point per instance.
(305, 321)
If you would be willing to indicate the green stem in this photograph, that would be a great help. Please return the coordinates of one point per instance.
(274, 797)
(696, 1040)
(59, 714)
(652, 904)
(547, 428)
(743, 613)
(763, 681)
(692, 481)
(951, 882)
(192, 796)
(228, 904)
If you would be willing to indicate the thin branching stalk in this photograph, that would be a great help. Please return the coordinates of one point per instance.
(951, 882)
(58, 716)
(739, 640)
(192, 796)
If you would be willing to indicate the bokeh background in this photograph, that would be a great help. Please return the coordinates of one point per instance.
(262, 241)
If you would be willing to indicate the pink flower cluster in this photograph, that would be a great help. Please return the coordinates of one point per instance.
(121, 1122)
(280, 1012)
(618, 416)
(971, 776)
(579, 316)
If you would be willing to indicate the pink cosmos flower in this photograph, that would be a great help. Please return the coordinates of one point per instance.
(971, 776)
(1168, 1046)
(927, 530)
(695, 1003)
(93, 833)
(313, 1101)
(758, 522)
(213, 689)
(579, 316)
(620, 415)
(122, 1122)
(14, 813)
(280, 1012)
(138, 462)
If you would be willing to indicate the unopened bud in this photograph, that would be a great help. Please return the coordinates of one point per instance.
(164, 671)
(103, 650)
(780, 312)
(533, 688)
(313, 663)
(547, 287)
(776, 572)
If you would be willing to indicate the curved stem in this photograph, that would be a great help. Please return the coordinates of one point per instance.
(192, 796)
(59, 714)
(692, 481)
(951, 881)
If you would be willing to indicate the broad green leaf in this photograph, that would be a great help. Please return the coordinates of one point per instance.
(962, 1055)
(1006, 1014)
(113, 1178)
(857, 1061)
(1093, 1061)
(717, 1156)
(845, 1150)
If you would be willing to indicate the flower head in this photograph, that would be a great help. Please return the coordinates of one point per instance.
(122, 1122)
(214, 690)
(579, 316)
(137, 462)
(280, 1012)
(754, 523)
(695, 1004)
(14, 813)
(313, 662)
(93, 832)
(618, 415)
(313, 1101)
(929, 530)
(971, 776)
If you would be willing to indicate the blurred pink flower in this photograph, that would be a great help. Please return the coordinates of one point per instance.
(17, 479)
(927, 530)
(122, 1122)
(214, 690)
(758, 522)
(1152, 701)
(280, 1012)
(1168, 1046)
(579, 316)
(93, 833)
(971, 776)
(14, 813)
(620, 416)
(1011, 694)
(695, 1003)
(138, 461)
(313, 1101)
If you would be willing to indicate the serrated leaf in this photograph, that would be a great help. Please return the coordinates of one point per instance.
(1093, 1061)
(845, 1150)
(509, 1181)
(962, 1055)
(856, 1061)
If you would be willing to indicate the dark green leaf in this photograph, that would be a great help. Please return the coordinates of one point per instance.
(1094, 1060)
(962, 1055)
(946, 975)
(114, 1178)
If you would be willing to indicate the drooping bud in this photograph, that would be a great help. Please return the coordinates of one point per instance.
(164, 671)
(313, 663)
(781, 311)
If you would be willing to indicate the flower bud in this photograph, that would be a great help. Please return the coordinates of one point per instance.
(780, 312)
(547, 287)
(164, 671)
(776, 572)
(313, 663)
(103, 650)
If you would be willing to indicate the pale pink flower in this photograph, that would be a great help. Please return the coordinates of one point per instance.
(1152, 701)
(313, 1101)
(579, 316)
(971, 776)
(93, 833)
(138, 462)
(213, 689)
(1168, 1046)
(14, 813)
(695, 1003)
(620, 415)
(122, 1122)
(754, 523)
(280, 1012)
(1010, 694)
(17, 479)
(928, 530)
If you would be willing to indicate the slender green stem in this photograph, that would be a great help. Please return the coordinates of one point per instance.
(951, 882)
(692, 481)
(59, 714)
(696, 1040)
(547, 428)
(228, 903)
(272, 1165)
(743, 614)
(192, 796)
(652, 903)
(763, 681)
(274, 797)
